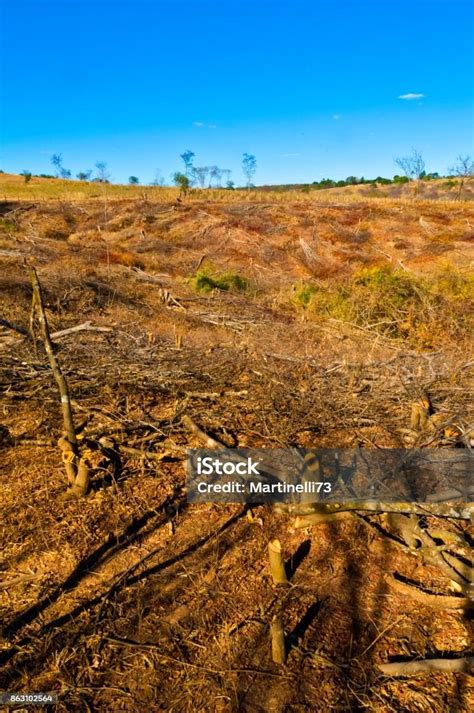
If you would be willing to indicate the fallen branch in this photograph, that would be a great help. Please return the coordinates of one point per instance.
(321, 519)
(462, 568)
(148, 455)
(438, 601)
(20, 580)
(411, 668)
(451, 494)
(432, 555)
(463, 512)
(209, 442)
(85, 326)
(147, 277)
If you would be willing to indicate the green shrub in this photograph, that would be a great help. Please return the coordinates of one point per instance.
(182, 182)
(450, 183)
(398, 304)
(303, 294)
(204, 281)
(8, 225)
(401, 179)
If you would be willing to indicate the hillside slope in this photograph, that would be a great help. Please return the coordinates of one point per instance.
(269, 323)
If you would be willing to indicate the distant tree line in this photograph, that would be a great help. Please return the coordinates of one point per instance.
(412, 169)
(381, 180)
(354, 181)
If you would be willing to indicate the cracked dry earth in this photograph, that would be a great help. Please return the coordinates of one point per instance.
(131, 599)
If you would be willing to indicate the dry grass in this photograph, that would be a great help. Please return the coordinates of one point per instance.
(13, 187)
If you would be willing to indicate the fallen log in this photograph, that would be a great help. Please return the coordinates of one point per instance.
(412, 668)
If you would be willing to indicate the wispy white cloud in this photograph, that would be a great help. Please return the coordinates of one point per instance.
(202, 125)
(411, 96)
(290, 155)
(336, 117)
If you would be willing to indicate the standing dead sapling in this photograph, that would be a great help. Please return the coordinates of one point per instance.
(77, 468)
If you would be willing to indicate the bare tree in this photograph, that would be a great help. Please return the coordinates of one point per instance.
(158, 180)
(188, 157)
(226, 175)
(215, 174)
(413, 166)
(463, 170)
(57, 161)
(200, 174)
(249, 166)
(103, 176)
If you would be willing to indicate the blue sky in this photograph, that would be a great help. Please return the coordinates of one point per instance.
(311, 88)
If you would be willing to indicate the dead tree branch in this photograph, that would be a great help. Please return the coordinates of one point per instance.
(412, 668)
(85, 326)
